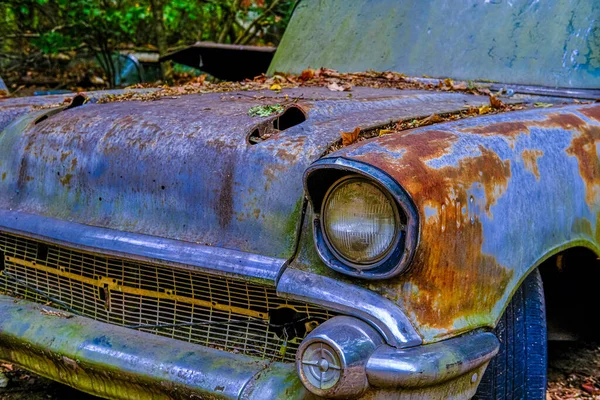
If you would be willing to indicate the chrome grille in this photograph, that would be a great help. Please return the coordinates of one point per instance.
(182, 304)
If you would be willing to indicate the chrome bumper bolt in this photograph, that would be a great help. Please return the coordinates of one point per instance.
(331, 360)
(321, 365)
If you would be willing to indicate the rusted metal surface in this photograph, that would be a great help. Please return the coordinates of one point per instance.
(497, 196)
(225, 61)
(183, 169)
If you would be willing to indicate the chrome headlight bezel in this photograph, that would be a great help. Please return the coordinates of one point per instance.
(322, 177)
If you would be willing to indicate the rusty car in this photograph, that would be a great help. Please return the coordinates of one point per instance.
(230, 244)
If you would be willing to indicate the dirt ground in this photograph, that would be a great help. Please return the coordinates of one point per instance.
(573, 370)
(573, 373)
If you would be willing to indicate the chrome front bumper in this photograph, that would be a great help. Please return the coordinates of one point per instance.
(121, 363)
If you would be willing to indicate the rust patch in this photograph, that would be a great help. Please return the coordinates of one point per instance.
(64, 155)
(23, 167)
(3, 176)
(437, 296)
(584, 148)
(591, 112)
(440, 185)
(514, 128)
(565, 121)
(530, 159)
(224, 206)
(434, 289)
(66, 180)
(499, 128)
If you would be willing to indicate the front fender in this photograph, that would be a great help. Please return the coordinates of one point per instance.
(496, 196)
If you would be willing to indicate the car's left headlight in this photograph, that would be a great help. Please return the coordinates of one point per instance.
(360, 221)
(365, 224)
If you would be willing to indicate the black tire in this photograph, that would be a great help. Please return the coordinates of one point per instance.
(519, 369)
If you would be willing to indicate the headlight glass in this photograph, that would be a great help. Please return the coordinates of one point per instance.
(360, 221)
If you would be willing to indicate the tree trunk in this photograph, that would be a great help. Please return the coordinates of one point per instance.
(161, 36)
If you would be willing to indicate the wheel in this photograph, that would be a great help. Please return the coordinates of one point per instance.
(519, 369)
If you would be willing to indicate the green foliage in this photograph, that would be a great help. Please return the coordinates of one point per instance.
(101, 27)
(265, 111)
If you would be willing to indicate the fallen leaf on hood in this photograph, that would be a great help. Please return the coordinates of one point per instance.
(460, 86)
(307, 74)
(432, 119)
(385, 131)
(496, 102)
(542, 105)
(350, 137)
(334, 87)
(484, 109)
(275, 86)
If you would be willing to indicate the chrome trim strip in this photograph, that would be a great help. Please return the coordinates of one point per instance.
(401, 257)
(348, 299)
(212, 260)
(430, 364)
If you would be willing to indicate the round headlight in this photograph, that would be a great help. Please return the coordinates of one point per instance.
(360, 221)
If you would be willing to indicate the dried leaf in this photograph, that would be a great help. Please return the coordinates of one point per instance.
(432, 119)
(6, 366)
(385, 131)
(496, 102)
(275, 86)
(484, 109)
(460, 86)
(307, 74)
(350, 137)
(588, 387)
(542, 105)
(334, 87)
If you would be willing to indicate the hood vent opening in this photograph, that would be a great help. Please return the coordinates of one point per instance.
(77, 101)
(291, 117)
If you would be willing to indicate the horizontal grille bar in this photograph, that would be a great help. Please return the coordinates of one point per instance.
(182, 304)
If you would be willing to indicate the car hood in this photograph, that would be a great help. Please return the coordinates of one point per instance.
(183, 168)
